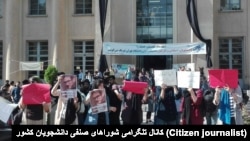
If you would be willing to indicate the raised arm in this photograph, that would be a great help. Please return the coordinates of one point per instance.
(54, 91)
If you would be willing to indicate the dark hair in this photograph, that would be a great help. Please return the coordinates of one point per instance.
(12, 82)
(134, 77)
(25, 81)
(84, 81)
(112, 77)
(97, 83)
(60, 73)
(35, 79)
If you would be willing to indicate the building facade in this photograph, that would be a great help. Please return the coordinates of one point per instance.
(66, 33)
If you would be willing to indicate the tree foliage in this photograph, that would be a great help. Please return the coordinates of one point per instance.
(50, 74)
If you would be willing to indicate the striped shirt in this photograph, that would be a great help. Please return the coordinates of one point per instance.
(232, 110)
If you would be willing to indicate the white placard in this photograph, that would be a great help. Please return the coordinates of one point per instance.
(6, 109)
(69, 94)
(167, 77)
(188, 79)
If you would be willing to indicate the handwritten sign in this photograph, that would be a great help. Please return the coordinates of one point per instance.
(6, 109)
(167, 77)
(36, 93)
(188, 79)
(223, 77)
(69, 93)
(111, 48)
(135, 87)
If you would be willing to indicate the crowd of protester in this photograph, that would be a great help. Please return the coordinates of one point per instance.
(169, 105)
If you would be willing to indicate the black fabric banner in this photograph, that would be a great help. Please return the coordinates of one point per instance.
(193, 20)
(103, 10)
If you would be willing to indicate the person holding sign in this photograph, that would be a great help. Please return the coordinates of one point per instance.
(97, 97)
(115, 97)
(228, 99)
(33, 114)
(68, 100)
(132, 107)
(166, 111)
(98, 101)
(190, 106)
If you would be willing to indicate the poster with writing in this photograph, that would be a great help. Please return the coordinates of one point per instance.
(69, 94)
(135, 87)
(223, 77)
(186, 65)
(36, 93)
(6, 109)
(120, 69)
(188, 79)
(167, 77)
(98, 101)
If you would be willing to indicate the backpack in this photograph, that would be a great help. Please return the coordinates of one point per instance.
(245, 98)
(207, 102)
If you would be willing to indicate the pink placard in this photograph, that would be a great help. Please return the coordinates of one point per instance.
(223, 77)
(36, 93)
(135, 87)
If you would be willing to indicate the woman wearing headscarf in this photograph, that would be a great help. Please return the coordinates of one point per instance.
(191, 106)
(228, 99)
(66, 110)
(132, 106)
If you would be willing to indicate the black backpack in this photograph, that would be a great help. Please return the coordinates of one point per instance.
(207, 102)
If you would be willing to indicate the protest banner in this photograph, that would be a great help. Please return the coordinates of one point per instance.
(135, 87)
(36, 93)
(165, 76)
(120, 69)
(223, 77)
(115, 48)
(98, 101)
(6, 109)
(188, 79)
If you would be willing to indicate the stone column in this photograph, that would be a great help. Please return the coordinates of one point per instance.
(59, 40)
(12, 39)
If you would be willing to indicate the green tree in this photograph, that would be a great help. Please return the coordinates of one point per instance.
(50, 74)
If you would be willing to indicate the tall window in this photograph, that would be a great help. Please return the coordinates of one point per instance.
(1, 7)
(230, 4)
(154, 24)
(230, 54)
(38, 52)
(1, 60)
(83, 6)
(84, 55)
(37, 7)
